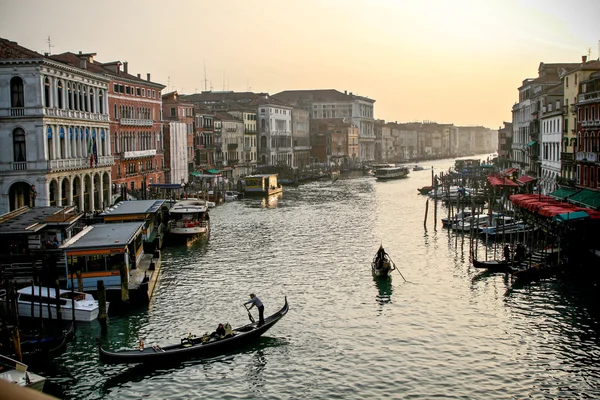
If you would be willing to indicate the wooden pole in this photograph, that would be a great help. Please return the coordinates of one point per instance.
(426, 210)
(124, 272)
(102, 317)
(16, 336)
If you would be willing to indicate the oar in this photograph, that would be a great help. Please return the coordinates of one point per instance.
(249, 314)
(396, 268)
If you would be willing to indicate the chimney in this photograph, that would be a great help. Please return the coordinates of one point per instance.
(148, 76)
(139, 76)
(583, 58)
(125, 66)
(345, 92)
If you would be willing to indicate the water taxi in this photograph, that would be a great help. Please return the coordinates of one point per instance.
(16, 373)
(387, 173)
(33, 301)
(189, 218)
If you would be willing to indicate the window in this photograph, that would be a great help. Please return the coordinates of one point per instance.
(138, 91)
(59, 94)
(100, 101)
(143, 92)
(19, 145)
(16, 92)
(91, 95)
(46, 92)
(173, 112)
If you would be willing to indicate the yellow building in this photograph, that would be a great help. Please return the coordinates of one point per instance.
(571, 82)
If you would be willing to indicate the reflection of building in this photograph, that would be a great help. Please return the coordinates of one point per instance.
(54, 132)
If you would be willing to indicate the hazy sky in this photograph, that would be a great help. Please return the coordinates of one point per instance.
(446, 61)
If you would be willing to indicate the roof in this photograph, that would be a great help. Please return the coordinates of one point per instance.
(13, 51)
(222, 97)
(74, 60)
(29, 220)
(318, 95)
(510, 171)
(134, 207)
(266, 100)
(102, 236)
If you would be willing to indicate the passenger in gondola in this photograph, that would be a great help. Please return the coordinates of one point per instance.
(220, 330)
(507, 252)
(520, 252)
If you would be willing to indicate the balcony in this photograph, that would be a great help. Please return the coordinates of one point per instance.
(232, 146)
(567, 157)
(75, 114)
(135, 122)
(252, 130)
(587, 156)
(78, 163)
(591, 96)
(573, 109)
(126, 155)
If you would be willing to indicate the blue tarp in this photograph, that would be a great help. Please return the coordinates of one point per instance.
(573, 216)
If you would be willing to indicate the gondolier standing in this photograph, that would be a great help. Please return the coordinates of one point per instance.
(255, 301)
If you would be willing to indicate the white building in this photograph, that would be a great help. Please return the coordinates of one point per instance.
(249, 151)
(178, 161)
(274, 120)
(552, 131)
(329, 103)
(54, 133)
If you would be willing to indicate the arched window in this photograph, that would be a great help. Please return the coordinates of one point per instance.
(47, 92)
(19, 145)
(59, 92)
(17, 99)
(91, 100)
(79, 98)
(84, 100)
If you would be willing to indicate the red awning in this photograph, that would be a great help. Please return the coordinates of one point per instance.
(525, 179)
(510, 171)
(547, 206)
(501, 181)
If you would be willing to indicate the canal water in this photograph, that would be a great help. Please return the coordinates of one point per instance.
(445, 332)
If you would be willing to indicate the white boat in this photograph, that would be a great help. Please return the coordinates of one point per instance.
(453, 193)
(230, 196)
(189, 218)
(387, 173)
(447, 222)
(502, 224)
(33, 300)
(470, 222)
(16, 372)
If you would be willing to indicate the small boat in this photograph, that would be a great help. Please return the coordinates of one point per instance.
(382, 265)
(425, 189)
(42, 348)
(16, 372)
(230, 196)
(418, 168)
(35, 300)
(493, 265)
(388, 173)
(447, 222)
(188, 218)
(192, 346)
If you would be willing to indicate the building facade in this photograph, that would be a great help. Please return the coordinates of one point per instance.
(54, 130)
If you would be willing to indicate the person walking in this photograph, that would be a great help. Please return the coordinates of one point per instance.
(255, 301)
(507, 253)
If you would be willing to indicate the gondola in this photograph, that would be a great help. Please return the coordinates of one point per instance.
(493, 265)
(192, 346)
(382, 265)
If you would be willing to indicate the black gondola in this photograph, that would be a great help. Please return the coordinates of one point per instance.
(493, 265)
(192, 347)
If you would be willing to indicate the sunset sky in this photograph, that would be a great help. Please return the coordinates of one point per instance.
(455, 62)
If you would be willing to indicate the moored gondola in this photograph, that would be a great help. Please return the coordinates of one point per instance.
(493, 265)
(192, 346)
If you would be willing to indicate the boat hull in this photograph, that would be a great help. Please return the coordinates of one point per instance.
(493, 265)
(191, 348)
(66, 312)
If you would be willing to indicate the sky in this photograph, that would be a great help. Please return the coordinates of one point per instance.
(446, 61)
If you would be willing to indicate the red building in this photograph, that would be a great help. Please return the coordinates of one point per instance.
(588, 132)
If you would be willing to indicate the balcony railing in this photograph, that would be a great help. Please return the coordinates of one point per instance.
(78, 163)
(17, 112)
(588, 96)
(138, 154)
(568, 157)
(19, 166)
(232, 146)
(587, 156)
(135, 122)
(75, 114)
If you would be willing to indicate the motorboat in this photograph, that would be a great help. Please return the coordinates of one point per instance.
(501, 224)
(448, 221)
(33, 301)
(189, 218)
(16, 372)
(230, 196)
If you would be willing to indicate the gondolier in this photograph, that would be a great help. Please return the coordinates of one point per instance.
(255, 301)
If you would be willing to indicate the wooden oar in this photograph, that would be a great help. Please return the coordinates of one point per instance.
(396, 268)
(249, 314)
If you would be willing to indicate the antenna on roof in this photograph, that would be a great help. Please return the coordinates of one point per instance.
(168, 83)
(205, 80)
(49, 45)
(589, 53)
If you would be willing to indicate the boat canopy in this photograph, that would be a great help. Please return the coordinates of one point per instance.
(548, 207)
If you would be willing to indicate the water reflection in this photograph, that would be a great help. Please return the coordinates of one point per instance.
(384, 290)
